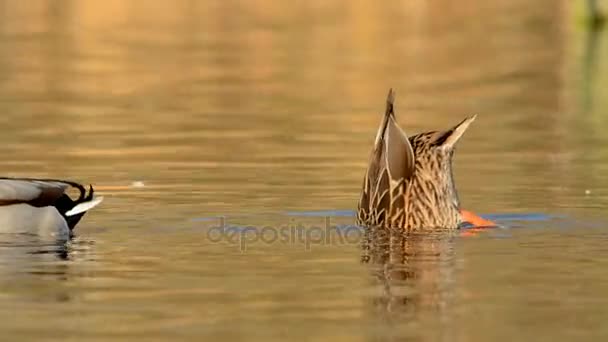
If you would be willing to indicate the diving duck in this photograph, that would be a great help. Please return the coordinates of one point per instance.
(408, 183)
(42, 206)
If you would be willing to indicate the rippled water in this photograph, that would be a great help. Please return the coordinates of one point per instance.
(238, 114)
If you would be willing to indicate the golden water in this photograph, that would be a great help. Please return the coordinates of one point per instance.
(251, 109)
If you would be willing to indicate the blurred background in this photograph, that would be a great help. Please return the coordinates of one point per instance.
(253, 108)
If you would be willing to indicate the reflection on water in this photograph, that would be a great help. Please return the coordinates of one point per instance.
(415, 275)
(249, 109)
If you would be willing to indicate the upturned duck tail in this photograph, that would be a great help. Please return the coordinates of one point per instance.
(74, 210)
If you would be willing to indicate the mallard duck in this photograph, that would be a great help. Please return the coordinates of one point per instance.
(42, 206)
(409, 182)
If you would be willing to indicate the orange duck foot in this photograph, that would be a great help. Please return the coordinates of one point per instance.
(476, 221)
(479, 223)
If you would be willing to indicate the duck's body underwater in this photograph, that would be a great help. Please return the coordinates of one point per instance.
(408, 183)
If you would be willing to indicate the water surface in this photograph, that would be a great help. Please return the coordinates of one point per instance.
(263, 113)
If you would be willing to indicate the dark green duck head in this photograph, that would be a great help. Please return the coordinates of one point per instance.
(409, 182)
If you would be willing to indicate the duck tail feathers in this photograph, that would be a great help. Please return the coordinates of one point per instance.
(388, 114)
(84, 202)
(84, 206)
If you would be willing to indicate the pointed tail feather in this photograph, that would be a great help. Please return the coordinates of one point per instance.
(84, 206)
(389, 112)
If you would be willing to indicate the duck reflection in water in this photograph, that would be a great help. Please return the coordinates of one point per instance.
(412, 273)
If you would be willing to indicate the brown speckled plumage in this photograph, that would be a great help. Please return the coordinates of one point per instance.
(409, 182)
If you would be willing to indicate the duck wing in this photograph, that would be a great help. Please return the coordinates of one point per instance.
(38, 193)
(390, 168)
